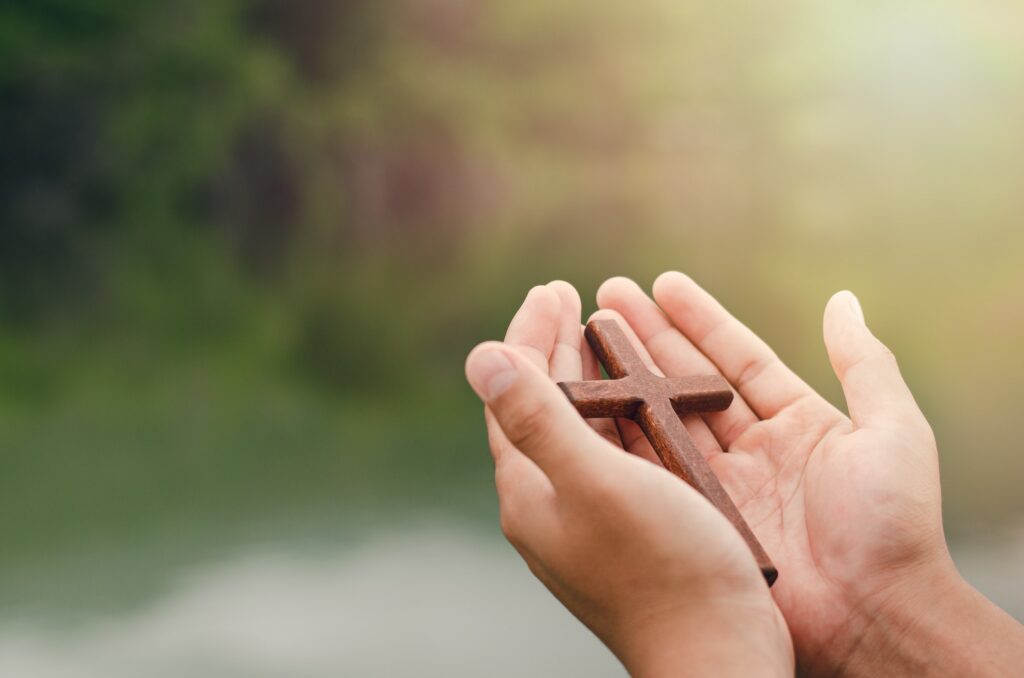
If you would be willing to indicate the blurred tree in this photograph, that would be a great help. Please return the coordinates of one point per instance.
(214, 201)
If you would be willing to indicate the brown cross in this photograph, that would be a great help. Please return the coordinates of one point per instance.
(656, 404)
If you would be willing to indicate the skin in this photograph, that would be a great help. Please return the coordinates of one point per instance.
(848, 507)
(609, 533)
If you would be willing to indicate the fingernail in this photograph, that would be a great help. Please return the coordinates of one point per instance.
(490, 373)
(855, 305)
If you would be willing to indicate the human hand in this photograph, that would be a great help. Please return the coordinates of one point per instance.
(849, 508)
(646, 562)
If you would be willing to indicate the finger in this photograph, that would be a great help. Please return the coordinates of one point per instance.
(632, 435)
(764, 382)
(672, 351)
(533, 413)
(567, 358)
(627, 429)
(876, 394)
(535, 326)
(605, 428)
(524, 493)
(566, 362)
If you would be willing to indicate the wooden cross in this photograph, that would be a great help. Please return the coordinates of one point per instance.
(656, 404)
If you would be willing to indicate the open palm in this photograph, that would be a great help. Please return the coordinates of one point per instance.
(847, 507)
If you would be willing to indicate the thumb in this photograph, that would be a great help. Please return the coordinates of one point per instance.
(533, 413)
(876, 394)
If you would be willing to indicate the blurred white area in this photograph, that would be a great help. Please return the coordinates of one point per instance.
(436, 602)
(432, 602)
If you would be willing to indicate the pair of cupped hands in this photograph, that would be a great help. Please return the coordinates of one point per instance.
(847, 506)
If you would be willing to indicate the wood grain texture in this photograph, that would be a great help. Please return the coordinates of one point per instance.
(656, 404)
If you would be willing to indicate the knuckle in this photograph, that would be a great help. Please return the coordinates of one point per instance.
(871, 360)
(530, 425)
(882, 352)
(753, 369)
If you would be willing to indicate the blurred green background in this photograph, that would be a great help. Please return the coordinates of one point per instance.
(245, 245)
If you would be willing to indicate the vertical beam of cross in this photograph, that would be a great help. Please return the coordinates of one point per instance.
(656, 404)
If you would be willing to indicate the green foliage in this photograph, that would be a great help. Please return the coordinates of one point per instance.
(246, 244)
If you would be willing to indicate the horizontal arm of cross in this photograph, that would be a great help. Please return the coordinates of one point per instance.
(623, 397)
(705, 393)
(596, 399)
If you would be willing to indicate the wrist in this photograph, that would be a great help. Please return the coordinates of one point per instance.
(724, 636)
(933, 623)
